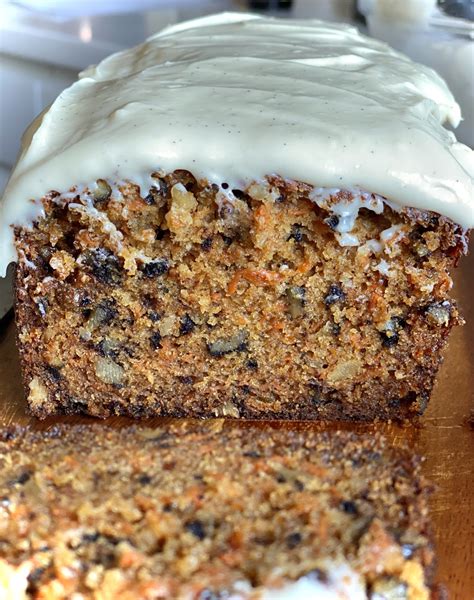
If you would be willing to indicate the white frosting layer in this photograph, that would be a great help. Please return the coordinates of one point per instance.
(236, 97)
(342, 584)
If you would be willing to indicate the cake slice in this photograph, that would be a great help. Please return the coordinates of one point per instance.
(211, 511)
(243, 217)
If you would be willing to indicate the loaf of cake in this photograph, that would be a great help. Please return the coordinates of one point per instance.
(210, 512)
(242, 217)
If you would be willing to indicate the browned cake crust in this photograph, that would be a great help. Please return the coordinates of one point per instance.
(178, 302)
(195, 512)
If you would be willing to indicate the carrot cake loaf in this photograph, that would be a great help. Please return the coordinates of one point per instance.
(242, 217)
(210, 512)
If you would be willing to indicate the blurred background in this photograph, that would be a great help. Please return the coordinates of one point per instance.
(45, 43)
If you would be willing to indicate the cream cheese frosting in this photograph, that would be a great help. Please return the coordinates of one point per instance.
(235, 97)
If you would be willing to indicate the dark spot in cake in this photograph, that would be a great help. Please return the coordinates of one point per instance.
(53, 373)
(144, 479)
(35, 576)
(196, 528)
(245, 389)
(206, 244)
(108, 347)
(22, 478)
(281, 198)
(154, 316)
(84, 301)
(296, 233)
(252, 364)
(151, 198)
(349, 507)
(389, 338)
(168, 507)
(214, 187)
(225, 211)
(186, 379)
(332, 222)
(42, 305)
(105, 266)
(252, 454)
(235, 343)
(155, 340)
(241, 195)
(227, 239)
(90, 538)
(293, 540)
(159, 234)
(334, 295)
(186, 325)
(296, 295)
(280, 478)
(155, 268)
(438, 313)
(298, 485)
(335, 328)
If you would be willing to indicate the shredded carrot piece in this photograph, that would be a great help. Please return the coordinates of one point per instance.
(255, 276)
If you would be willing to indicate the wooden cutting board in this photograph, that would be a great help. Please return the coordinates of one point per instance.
(445, 436)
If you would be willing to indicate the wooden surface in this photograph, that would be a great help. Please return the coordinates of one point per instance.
(445, 436)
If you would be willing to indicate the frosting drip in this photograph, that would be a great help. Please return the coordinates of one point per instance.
(236, 97)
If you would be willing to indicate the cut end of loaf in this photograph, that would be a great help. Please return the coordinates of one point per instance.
(190, 299)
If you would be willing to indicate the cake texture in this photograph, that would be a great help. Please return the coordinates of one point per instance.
(243, 309)
(210, 512)
(242, 217)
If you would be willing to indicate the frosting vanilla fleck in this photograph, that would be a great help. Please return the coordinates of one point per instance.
(235, 97)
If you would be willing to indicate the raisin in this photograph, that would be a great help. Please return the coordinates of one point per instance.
(296, 233)
(187, 325)
(252, 364)
(252, 454)
(349, 507)
(53, 372)
(155, 268)
(335, 294)
(151, 197)
(154, 316)
(105, 266)
(293, 540)
(389, 338)
(22, 478)
(206, 244)
(186, 379)
(227, 240)
(196, 528)
(144, 479)
(155, 340)
(281, 198)
(332, 222)
(35, 575)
